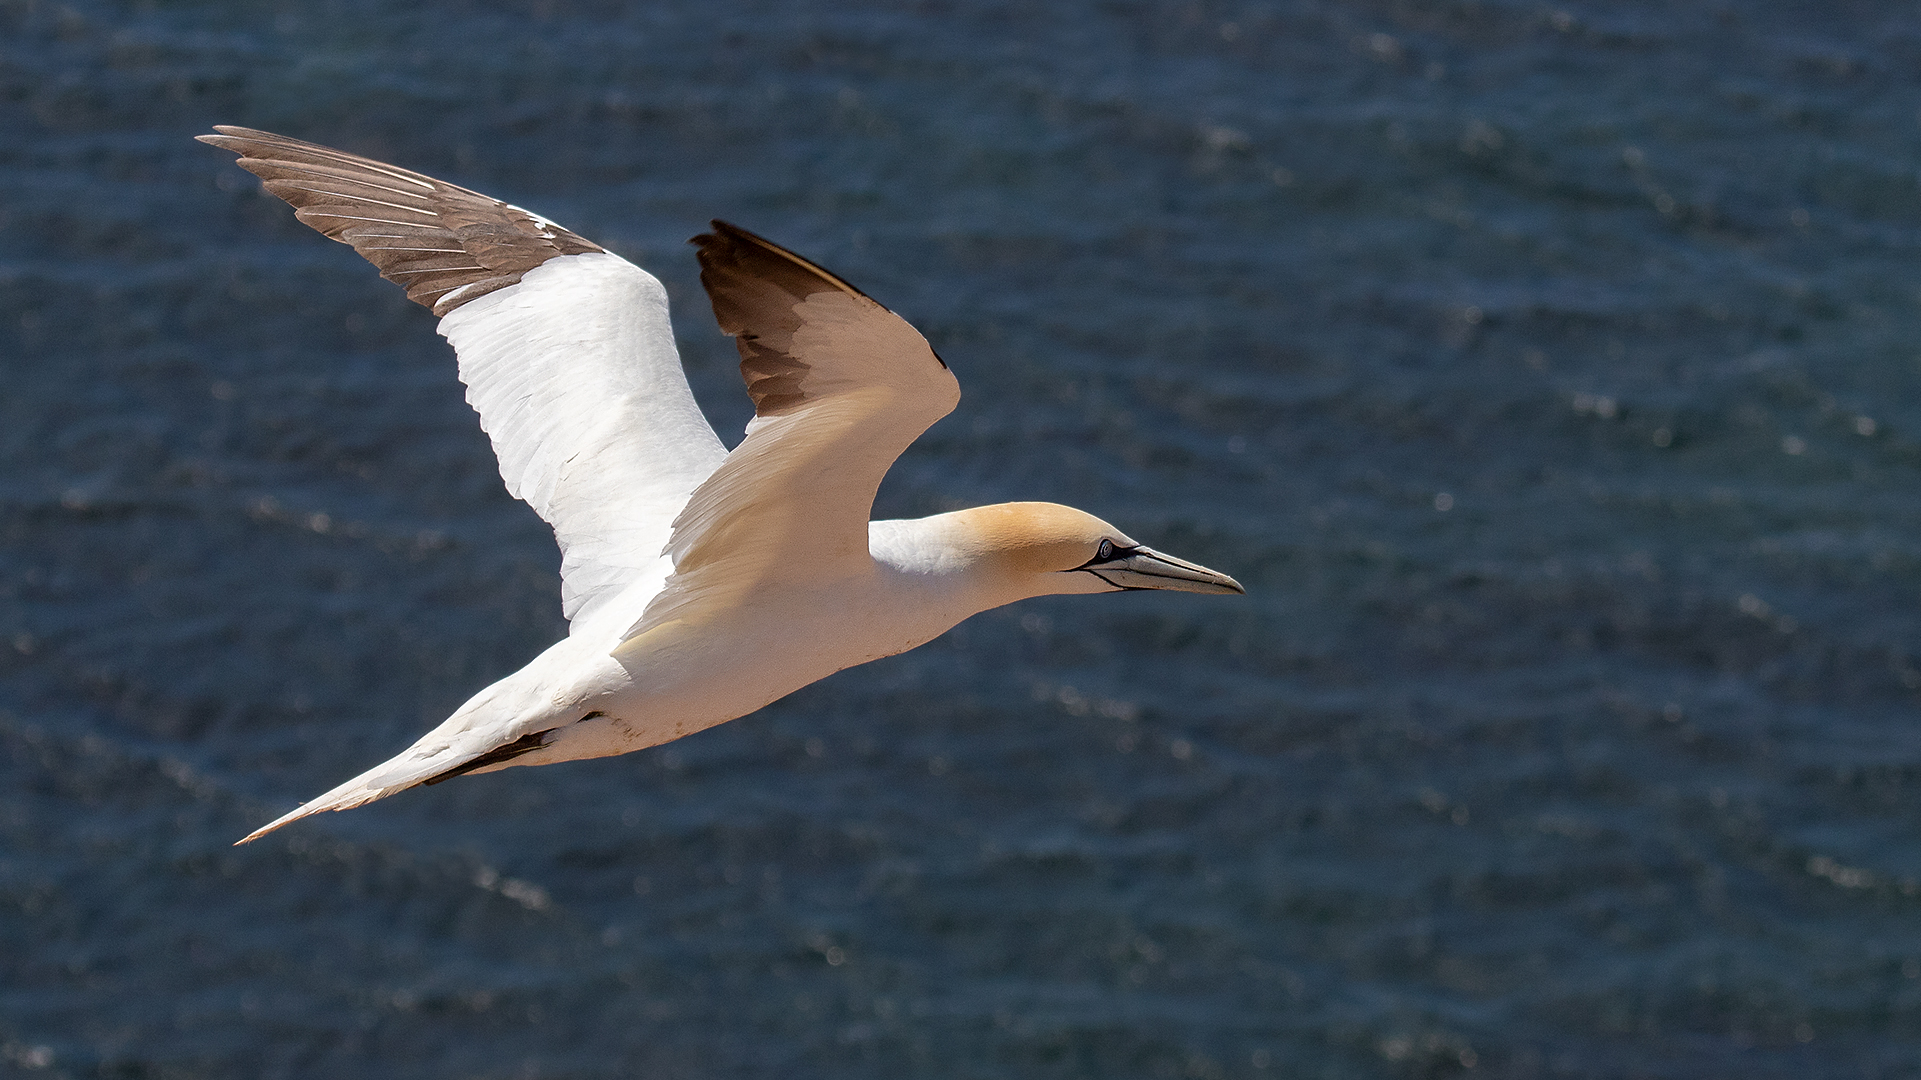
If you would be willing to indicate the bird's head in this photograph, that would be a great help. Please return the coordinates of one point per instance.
(1048, 549)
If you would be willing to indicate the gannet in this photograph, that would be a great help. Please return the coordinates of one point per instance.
(699, 584)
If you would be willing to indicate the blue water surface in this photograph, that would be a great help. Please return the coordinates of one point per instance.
(1550, 374)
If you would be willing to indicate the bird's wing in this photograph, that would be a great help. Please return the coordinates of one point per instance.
(565, 349)
(840, 385)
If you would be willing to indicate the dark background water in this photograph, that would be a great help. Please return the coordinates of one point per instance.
(1548, 373)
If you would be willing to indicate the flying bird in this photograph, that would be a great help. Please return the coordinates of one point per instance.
(699, 583)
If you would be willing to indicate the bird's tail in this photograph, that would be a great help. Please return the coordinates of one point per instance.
(419, 765)
(359, 791)
(469, 740)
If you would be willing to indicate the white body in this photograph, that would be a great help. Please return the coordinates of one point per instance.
(689, 675)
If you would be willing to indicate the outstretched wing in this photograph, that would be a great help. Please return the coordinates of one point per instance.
(566, 350)
(841, 386)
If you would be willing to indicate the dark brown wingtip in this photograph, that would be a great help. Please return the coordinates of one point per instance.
(444, 244)
(730, 239)
(226, 138)
(234, 137)
(755, 286)
(737, 267)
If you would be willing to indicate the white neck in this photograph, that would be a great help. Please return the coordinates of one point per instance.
(934, 558)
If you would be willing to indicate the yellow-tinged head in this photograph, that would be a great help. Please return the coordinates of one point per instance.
(1058, 549)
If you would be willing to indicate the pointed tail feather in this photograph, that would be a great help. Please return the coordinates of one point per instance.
(416, 766)
(345, 797)
(488, 732)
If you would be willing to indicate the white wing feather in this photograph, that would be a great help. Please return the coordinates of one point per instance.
(576, 379)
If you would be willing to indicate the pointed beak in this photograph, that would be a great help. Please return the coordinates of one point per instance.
(1145, 568)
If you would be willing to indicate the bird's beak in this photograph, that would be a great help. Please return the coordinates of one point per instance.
(1145, 568)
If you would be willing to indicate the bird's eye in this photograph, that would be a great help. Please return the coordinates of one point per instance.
(1107, 550)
